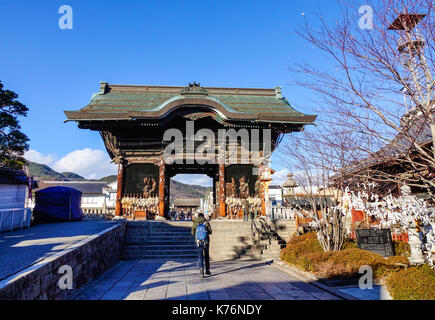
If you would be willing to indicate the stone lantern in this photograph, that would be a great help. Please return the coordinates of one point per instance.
(288, 188)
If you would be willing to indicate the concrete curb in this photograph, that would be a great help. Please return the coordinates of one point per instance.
(310, 279)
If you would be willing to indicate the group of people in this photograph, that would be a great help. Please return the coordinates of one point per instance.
(181, 215)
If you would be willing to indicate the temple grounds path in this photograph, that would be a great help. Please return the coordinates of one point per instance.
(230, 280)
(23, 248)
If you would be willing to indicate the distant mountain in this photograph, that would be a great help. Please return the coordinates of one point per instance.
(181, 190)
(110, 178)
(72, 176)
(43, 172)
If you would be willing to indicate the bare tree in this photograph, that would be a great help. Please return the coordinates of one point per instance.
(308, 156)
(377, 123)
(378, 87)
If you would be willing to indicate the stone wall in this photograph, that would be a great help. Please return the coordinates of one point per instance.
(88, 259)
(232, 239)
(284, 228)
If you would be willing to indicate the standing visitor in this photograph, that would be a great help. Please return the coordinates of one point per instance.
(245, 211)
(252, 212)
(202, 229)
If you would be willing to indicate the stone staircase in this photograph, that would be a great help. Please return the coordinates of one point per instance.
(231, 239)
(269, 244)
(158, 240)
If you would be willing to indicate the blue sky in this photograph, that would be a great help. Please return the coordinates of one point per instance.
(216, 43)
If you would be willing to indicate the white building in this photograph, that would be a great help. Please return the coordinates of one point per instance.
(14, 191)
(275, 195)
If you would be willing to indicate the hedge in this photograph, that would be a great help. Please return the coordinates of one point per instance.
(402, 282)
(415, 283)
(305, 252)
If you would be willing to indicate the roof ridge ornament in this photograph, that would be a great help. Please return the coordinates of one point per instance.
(194, 89)
(103, 87)
(278, 92)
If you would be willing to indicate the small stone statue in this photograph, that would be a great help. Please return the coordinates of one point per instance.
(243, 188)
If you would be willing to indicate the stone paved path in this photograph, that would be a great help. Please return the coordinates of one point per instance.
(231, 280)
(22, 248)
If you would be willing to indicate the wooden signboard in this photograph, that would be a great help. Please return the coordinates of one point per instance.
(377, 241)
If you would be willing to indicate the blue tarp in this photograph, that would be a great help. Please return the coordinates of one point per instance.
(58, 204)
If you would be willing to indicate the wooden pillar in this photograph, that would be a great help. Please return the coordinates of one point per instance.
(265, 204)
(263, 200)
(120, 189)
(222, 211)
(214, 190)
(167, 193)
(162, 183)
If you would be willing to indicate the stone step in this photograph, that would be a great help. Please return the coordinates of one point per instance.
(159, 253)
(161, 234)
(170, 237)
(146, 230)
(163, 239)
(169, 228)
(173, 240)
(152, 257)
(175, 247)
(271, 252)
(160, 238)
(158, 243)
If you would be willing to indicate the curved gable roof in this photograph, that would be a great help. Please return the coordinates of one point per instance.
(125, 102)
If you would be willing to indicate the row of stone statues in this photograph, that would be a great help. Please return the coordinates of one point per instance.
(241, 189)
(137, 202)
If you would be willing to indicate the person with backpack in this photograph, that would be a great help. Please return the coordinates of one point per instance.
(202, 230)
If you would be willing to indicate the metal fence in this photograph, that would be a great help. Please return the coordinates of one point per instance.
(11, 219)
(95, 213)
(281, 213)
(94, 216)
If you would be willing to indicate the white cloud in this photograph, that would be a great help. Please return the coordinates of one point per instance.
(194, 179)
(89, 163)
(35, 156)
(280, 176)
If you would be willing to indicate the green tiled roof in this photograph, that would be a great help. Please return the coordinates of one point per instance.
(127, 102)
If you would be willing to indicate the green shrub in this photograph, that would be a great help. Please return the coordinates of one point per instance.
(348, 243)
(398, 259)
(402, 248)
(305, 252)
(300, 245)
(415, 283)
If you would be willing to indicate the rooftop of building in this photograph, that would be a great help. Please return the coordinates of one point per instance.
(187, 202)
(85, 187)
(12, 176)
(129, 102)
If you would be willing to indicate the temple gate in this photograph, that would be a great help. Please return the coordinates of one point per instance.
(156, 132)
